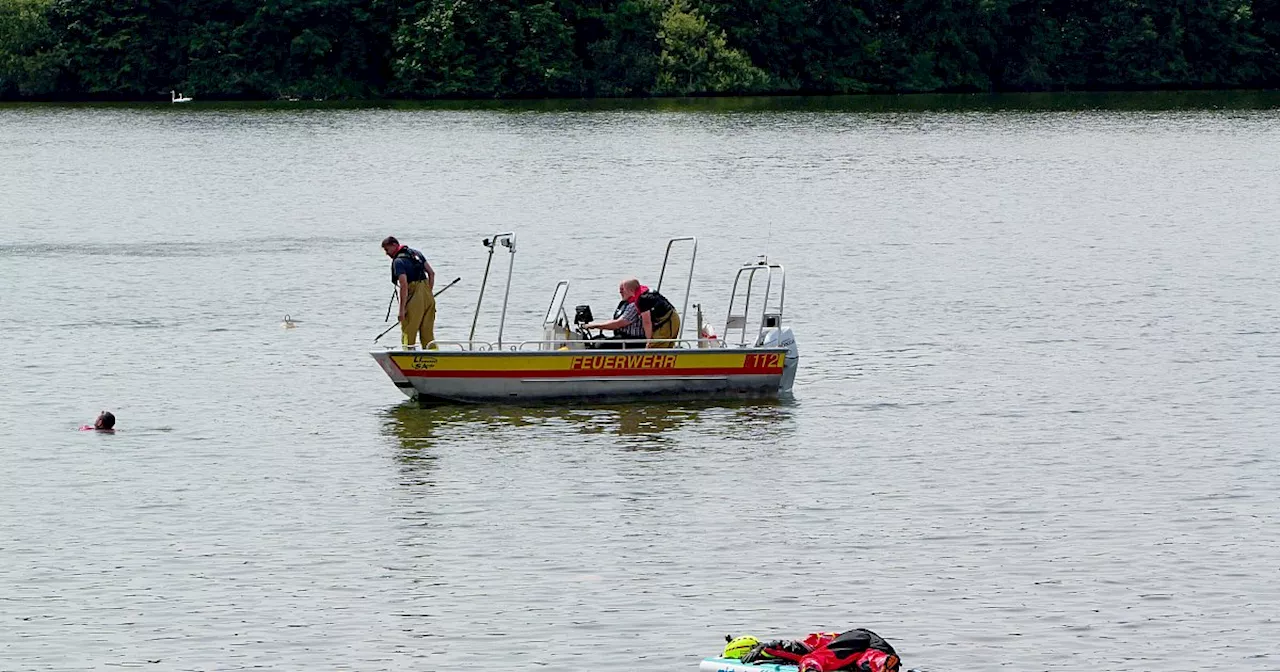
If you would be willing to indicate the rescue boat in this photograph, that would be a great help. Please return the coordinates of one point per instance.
(755, 357)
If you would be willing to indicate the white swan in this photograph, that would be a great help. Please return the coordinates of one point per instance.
(178, 98)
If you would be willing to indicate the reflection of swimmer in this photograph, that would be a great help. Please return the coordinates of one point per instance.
(106, 422)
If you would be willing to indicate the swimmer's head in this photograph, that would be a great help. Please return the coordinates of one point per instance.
(105, 421)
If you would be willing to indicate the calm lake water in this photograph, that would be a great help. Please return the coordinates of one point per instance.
(1035, 425)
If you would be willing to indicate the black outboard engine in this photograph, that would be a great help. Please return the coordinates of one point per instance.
(582, 315)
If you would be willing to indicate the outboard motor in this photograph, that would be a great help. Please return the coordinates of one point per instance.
(582, 315)
(774, 337)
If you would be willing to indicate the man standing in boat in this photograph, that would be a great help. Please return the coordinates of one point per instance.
(414, 278)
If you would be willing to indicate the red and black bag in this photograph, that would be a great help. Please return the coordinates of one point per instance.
(857, 650)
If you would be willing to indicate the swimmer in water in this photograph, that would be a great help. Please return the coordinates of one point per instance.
(106, 422)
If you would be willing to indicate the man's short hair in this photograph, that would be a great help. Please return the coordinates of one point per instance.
(390, 240)
(107, 420)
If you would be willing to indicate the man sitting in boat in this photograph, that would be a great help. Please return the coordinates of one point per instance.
(626, 324)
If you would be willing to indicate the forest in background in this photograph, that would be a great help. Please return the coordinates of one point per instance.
(370, 49)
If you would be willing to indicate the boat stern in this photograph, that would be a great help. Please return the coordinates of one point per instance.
(784, 338)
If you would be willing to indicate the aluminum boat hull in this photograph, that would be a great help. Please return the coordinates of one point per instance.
(500, 376)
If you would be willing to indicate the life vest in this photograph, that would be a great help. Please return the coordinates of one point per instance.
(660, 309)
(632, 330)
(417, 265)
(857, 650)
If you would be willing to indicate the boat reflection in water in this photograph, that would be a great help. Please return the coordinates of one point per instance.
(644, 427)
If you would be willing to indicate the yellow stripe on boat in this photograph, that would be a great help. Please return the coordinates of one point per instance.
(586, 363)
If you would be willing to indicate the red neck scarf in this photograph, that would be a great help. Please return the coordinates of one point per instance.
(636, 297)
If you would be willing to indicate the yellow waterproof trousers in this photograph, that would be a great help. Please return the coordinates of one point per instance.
(668, 329)
(419, 316)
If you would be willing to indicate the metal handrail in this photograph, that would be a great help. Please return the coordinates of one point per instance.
(478, 346)
(751, 270)
(684, 341)
(733, 297)
(426, 350)
(782, 297)
(688, 287)
(489, 346)
(466, 345)
(557, 301)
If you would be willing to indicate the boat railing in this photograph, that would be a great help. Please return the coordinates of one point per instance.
(559, 345)
(685, 343)
(555, 311)
(478, 346)
(770, 316)
(688, 284)
(556, 345)
(555, 324)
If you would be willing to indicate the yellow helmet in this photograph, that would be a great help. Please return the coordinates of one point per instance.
(739, 646)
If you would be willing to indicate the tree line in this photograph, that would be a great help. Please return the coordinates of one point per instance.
(357, 49)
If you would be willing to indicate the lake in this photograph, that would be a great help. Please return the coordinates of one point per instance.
(1034, 428)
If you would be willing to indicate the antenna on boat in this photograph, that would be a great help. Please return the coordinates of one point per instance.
(508, 240)
(768, 238)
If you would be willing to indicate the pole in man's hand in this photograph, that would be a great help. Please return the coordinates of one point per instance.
(437, 293)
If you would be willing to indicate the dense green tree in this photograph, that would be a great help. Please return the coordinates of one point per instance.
(939, 45)
(485, 48)
(311, 48)
(696, 57)
(1140, 42)
(845, 52)
(139, 49)
(809, 46)
(1028, 39)
(1219, 44)
(617, 45)
(256, 48)
(775, 34)
(121, 48)
(1266, 19)
(29, 59)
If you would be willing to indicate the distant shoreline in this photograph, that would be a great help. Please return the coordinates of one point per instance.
(1152, 99)
(438, 50)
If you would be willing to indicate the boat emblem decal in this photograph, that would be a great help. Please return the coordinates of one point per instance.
(424, 362)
